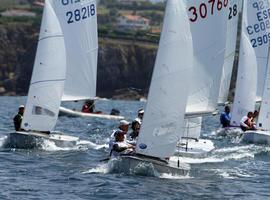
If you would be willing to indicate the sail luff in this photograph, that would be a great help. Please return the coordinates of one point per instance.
(48, 77)
(164, 116)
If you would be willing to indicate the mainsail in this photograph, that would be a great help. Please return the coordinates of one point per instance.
(48, 77)
(232, 24)
(257, 28)
(78, 20)
(208, 22)
(164, 115)
(245, 93)
(264, 115)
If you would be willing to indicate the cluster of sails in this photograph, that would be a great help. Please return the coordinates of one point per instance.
(192, 72)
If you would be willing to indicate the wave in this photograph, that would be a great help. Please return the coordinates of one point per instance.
(48, 145)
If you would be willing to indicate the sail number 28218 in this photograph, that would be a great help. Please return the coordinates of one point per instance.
(207, 8)
(81, 14)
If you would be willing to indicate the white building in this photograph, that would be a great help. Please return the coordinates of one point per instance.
(133, 22)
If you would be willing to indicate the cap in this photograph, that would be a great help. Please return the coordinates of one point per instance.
(138, 120)
(141, 111)
(124, 123)
(21, 106)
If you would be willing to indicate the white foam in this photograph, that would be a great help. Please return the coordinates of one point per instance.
(48, 145)
(170, 176)
(233, 173)
(3, 140)
(100, 169)
(234, 149)
(190, 160)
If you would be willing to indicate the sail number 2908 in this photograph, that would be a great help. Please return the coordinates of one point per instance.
(81, 14)
(206, 8)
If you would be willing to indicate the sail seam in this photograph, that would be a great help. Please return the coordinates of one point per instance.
(55, 36)
(53, 80)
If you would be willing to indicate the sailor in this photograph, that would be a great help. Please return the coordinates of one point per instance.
(246, 122)
(255, 116)
(225, 117)
(135, 126)
(89, 106)
(140, 114)
(123, 126)
(120, 146)
(18, 118)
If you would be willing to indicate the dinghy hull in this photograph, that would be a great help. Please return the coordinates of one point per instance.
(134, 165)
(30, 140)
(256, 137)
(73, 113)
(194, 147)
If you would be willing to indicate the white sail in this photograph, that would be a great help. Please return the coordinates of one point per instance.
(78, 20)
(164, 115)
(232, 24)
(264, 114)
(245, 93)
(48, 77)
(208, 28)
(257, 28)
(193, 127)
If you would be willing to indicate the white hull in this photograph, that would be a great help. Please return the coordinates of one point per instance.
(30, 140)
(74, 113)
(256, 137)
(194, 147)
(133, 165)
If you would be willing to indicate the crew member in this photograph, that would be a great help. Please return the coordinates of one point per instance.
(246, 122)
(123, 126)
(120, 146)
(18, 118)
(225, 117)
(135, 126)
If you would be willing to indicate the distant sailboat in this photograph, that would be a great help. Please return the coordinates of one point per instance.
(46, 88)
(209, 36)
(79, 23)
(260, 42)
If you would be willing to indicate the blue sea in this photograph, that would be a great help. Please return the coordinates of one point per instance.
(231, 171)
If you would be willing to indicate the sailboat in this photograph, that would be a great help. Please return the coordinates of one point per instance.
(79, 24)
(46, 87)
(252, 77)
(163, 123)
(260, 43)
(209, 53)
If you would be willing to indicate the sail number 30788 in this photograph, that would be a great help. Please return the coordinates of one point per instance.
(81, 14)
(205, 9)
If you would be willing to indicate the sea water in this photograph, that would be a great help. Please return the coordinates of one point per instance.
(231, 171)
